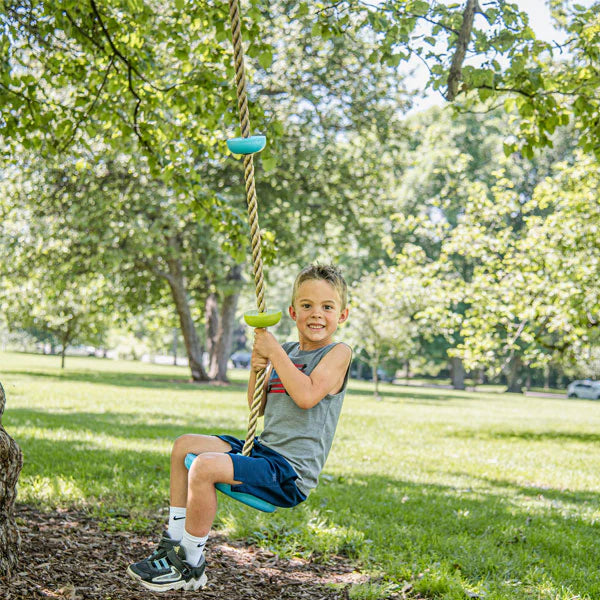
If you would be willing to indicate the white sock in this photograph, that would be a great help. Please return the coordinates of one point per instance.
(176, 522)
(194, 547)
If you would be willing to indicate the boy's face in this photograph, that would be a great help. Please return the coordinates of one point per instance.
(317, 310)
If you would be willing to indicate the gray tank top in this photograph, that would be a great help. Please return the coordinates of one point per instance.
(303, 437)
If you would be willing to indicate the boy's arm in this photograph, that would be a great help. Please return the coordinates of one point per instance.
(308, 390)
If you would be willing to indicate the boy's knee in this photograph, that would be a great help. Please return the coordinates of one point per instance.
(207, 467)
(181, 445)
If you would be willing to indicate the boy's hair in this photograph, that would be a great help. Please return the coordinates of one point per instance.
(329, 273)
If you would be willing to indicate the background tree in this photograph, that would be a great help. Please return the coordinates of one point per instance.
(11, 460)
(489, 54)
(534, 294)
(384, 308)
(75, 309)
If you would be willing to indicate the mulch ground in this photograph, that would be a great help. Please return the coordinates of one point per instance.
(68, 555)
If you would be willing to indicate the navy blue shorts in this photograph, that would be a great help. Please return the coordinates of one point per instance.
(264, 474)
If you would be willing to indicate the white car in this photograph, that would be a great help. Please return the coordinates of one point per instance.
(584, 389)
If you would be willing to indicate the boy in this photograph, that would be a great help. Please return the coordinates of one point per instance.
(301, 405)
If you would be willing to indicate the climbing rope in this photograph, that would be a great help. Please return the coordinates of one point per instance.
(257, 265)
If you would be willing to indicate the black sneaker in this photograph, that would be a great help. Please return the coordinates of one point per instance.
(170, 572)
(139, 569)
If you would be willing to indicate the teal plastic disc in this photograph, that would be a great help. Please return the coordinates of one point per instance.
(249, 145)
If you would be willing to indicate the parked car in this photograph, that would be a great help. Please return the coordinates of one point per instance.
(584, 389)
(241, 359)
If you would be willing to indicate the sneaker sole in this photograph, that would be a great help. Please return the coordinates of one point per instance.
(191, 585)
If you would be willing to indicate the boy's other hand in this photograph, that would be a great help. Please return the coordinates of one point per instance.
(264, 345)
(258, 363)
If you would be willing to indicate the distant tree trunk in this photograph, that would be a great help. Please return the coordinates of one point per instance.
(66, 337)
(514, 382)
(174, 347)
(225, 325)
(11, 461)
(374, 369)
(547, 377)
(211, 310)
(457, 373)
(481, 377)
(407, 370)
(193, 347)
(376, 393)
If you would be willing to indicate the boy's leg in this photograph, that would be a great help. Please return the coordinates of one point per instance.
(196, 444)
(184, 568)
(208, 468)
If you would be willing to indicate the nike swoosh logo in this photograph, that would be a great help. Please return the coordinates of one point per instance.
(178, 518)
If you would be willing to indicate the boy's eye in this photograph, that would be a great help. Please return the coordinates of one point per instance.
(328, 307)
(305, 305)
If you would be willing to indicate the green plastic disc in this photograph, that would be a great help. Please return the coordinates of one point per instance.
(262, 319)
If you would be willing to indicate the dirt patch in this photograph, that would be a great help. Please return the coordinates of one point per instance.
(67, 555)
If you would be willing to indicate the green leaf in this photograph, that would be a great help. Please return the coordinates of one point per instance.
(302, 9)
(269, 164)
(485, 93)
(266, 58)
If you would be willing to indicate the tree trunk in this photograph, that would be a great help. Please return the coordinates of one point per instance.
(514, 382)
(547, 377)
(190, 335)
(211, 310)
(376, 383)
(175, 341)
(11, 461)
(457, 373)
(219, 356)
(407, 370)
(375, 368)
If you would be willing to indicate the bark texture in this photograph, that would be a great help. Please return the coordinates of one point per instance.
(457, 371)
(11, 461)
(462, 43)
(515, 375)
(193, 347)
(222, 324)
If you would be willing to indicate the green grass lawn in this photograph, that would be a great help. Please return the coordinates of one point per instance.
(438, 493)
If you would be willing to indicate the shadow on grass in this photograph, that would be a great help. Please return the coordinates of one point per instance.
(439, 538)
(128, 426)
(68, 458)
(132, 379)
(505, 486)
(530, 436)
(414, 395)
(446, 540)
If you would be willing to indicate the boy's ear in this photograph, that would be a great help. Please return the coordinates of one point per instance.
(343, 316)
(292, 312)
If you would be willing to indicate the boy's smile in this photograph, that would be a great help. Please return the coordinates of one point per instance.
(317, 311)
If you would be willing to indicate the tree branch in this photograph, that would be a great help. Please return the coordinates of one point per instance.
(464, 38)
(91, 109)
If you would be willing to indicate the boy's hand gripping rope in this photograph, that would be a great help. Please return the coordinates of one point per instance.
(257, 265)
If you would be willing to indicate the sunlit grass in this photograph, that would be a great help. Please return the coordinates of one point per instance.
(439, 493)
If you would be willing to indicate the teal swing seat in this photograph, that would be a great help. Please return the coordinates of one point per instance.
(225, 488)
